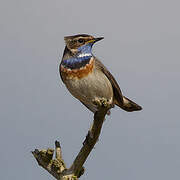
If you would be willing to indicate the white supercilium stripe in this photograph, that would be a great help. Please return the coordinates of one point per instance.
(83, 55)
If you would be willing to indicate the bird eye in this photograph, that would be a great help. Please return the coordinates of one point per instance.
(81, 40)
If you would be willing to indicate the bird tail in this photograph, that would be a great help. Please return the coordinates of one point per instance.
(129, 105)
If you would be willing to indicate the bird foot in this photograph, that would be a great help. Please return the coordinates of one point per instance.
(102, 102)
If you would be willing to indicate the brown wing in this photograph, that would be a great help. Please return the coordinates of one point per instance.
(118, 97)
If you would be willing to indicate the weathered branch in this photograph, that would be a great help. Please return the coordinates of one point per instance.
(56, 167)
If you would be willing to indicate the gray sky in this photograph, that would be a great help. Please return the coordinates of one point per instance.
(142, 50)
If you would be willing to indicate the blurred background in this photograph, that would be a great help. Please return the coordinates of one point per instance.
(142, 50)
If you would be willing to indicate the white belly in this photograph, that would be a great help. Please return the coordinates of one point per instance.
(87, 89)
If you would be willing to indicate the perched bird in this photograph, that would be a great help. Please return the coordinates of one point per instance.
(87, 78)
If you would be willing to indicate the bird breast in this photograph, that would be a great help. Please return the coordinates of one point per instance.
(79, 73)
(89, 87)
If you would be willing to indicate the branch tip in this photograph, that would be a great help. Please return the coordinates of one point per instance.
(57, 144)
(36, 151)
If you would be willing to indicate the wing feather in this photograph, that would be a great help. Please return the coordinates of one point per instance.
(118, 97)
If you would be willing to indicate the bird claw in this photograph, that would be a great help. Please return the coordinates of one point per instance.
(102, 102)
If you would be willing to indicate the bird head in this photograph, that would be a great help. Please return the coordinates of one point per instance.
(80, 43)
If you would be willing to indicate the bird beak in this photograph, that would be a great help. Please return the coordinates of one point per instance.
(95, 40)
(98, 39)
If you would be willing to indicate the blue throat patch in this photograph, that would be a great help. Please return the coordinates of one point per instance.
(76, 62)
(81, 59)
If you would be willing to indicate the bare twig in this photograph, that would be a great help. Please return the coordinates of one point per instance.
(56, 167)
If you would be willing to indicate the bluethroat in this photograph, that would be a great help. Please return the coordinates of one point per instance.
(86, 78)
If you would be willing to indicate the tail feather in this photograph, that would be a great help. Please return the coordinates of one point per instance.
(129, 105)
